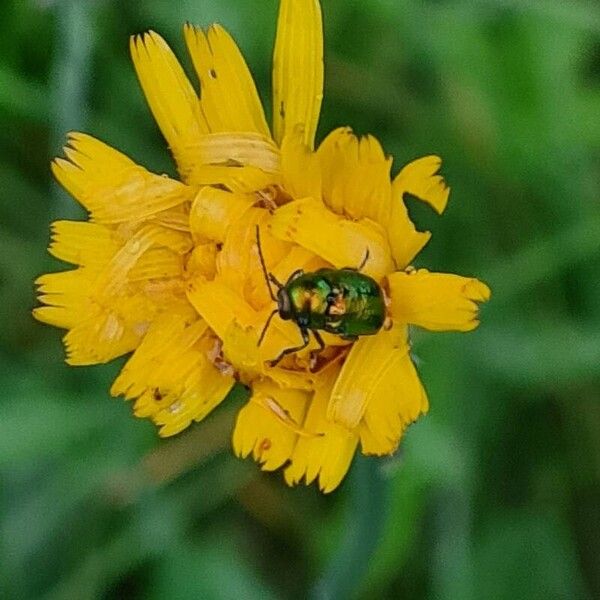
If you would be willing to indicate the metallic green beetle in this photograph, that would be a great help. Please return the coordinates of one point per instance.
(344, 302)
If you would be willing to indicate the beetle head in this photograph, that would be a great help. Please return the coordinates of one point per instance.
(284, 304)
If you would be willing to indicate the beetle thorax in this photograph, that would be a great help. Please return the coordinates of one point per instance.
(284, 304)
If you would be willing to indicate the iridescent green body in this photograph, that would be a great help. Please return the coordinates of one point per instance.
(340, 301)
(344, 302)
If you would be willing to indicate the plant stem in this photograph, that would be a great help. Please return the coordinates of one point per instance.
(369, 492)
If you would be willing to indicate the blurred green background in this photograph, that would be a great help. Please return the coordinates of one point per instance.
(496, 493)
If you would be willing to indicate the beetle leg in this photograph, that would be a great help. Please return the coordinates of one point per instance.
(287, 351)
(319, 341)
(315, 353)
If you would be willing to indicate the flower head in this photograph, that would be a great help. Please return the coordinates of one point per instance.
(172, 271)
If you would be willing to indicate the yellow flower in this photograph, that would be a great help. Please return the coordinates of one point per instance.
(170, 270)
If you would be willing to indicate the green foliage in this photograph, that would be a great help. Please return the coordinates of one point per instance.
(496, 493)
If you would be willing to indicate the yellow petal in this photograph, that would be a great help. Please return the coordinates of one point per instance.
(239, 255)
(213, 211)
(251, 149)
(397, 400)
(57, 316)
(238, 262)
(171, 375)
(295, 257)
(287, 378)
(115, 277)
(405, 241)
(219, 305)
(99, 339)
(298, 69)
(169, 335)
(420, 179)
(205, 388)
(263, 425)
(339, 145)
(202, 262)
(328, 454)
(436, 301)
(83, 243)
(67, 295)
(176, 218)
(356, 176)
(341, 242)
(170, 95)
(102, 332)
(157, 263)
(108, 303)
(229, 97)
(111, 186)
(369, 361)
(300, 168)
(97, 333)
(244, 179)
(240, 348)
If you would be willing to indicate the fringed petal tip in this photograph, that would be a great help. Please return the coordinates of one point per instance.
(170, 96)
(83, 152)
(356, 176)
(263, 425)
(477, 290)
(170, 375)
(288, 428)
(372, 443)
(327, 481)
(420, 178)
(327, 454)
(436, 301)
(229, 98)
(328, 471)
(112, 187)
(378, 393)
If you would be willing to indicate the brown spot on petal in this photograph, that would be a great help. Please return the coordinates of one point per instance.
(265, 445)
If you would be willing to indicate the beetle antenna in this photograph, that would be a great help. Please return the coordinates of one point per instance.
(264, 331)
(269, 278)
(364, 260)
